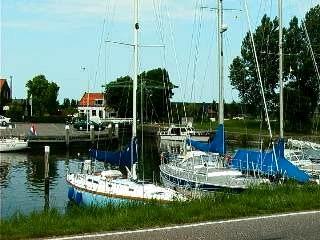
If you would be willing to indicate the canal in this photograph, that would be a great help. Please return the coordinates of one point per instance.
(22, 176)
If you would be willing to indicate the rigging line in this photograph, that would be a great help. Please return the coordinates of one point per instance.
(159, 21)
(161, 32)
(258, 68)
(100, 46)
(260, 80)
(195, 16)
(175, 52)
(211, 40)
(197, 43)
(312, 53)
(110, 29)
(259, 11)
(311, 50)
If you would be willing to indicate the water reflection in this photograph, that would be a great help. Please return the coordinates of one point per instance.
(10, 162)
(22, 182)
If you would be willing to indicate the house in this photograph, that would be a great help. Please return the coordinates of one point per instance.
(95, 105)
(5, 94)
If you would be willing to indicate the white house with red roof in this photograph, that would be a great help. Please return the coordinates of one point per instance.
(95, 105)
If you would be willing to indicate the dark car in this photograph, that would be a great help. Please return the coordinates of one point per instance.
(82, 125)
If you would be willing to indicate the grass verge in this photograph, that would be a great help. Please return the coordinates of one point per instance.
(256, 201)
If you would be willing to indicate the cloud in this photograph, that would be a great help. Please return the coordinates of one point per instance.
(42, 13)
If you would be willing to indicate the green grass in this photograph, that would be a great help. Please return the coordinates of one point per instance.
(257, 201)
(251, 127)
(239, 126)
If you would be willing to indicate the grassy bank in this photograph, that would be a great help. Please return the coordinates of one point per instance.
(257, 201)
(253, 129)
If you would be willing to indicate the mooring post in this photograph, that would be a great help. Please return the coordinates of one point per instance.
(67, 128)
(116, 130)
(92, 133)
(46, 177)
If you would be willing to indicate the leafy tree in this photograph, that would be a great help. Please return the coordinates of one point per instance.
(44, 95)
(243, 71)
(16, 111)
(73, 103)
(299, 72)
(156, 90)
(66, 103)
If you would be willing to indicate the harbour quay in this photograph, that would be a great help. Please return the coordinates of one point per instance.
(57, 134)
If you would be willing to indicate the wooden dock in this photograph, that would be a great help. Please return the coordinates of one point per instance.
(57, 134)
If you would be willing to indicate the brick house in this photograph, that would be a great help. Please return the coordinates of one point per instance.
(95, 105)
(5, 94)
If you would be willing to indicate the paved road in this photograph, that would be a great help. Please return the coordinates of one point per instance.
(304, 225)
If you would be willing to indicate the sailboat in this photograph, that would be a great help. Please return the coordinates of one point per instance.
(11, 143)
(272, 163)
(206, 168)
(111, 186)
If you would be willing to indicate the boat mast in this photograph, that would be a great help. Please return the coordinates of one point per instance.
(280, 68)
(220, 31)
(135, 83)
(220, 61)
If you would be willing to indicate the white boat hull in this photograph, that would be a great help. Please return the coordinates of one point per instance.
(92, 189)
(12, 144)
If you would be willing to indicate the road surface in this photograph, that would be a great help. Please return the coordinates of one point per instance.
(303, 225)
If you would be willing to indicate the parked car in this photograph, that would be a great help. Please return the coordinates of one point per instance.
(82, 125)
(4, 121)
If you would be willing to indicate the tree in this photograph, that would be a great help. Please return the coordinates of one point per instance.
(66, 103)
(44, 95)
(299, 71)
(243, 71)
(16, 111)
(156, 90)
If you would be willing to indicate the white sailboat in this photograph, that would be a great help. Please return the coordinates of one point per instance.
(201, 169)
(111, 186)
(12, 144)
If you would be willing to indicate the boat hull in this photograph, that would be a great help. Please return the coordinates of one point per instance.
(10, 145)
(171, 181)
(90, 198)
(94, 189)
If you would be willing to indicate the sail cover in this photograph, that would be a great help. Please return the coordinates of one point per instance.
(266, 162)
(119, 158)
(217, 145)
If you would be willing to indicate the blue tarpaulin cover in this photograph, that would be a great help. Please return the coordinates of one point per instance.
(265, 162)
(119, 158)
(217, 145)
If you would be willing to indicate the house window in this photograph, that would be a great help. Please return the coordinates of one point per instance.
(94, 112)
(100, 114)
(99, 102)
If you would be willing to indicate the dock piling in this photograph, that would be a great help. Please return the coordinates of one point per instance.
(92, 133)
(67, 136)
(46, 177)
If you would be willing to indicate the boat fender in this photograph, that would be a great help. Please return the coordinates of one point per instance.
(71, 193)
(78, 197)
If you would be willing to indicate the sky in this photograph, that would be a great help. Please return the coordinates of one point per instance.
(65, 40)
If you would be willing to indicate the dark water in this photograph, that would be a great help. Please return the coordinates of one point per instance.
(22, 177)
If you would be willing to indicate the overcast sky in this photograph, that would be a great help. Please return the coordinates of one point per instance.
(58, 38)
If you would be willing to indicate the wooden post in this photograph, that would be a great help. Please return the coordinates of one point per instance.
(92, 133)
(67, 128)
(46, 177)
(116, 130)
